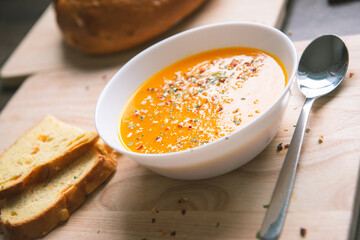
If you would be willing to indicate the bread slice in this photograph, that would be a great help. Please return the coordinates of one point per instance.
(42, 207)
(41, 152)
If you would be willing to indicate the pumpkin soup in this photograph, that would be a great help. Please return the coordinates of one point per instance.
(200, 99)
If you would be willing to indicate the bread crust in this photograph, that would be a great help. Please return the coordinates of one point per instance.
(60, 211)
(46, 170)
(106, 26)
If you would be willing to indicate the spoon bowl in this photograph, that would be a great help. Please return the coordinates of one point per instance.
(323, 66)
(321, 69)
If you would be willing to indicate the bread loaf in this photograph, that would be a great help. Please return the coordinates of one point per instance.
(40, 153)
(105, 26)
(42, 207)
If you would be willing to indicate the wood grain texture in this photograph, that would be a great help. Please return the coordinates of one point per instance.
(44, 50)
(225, 207)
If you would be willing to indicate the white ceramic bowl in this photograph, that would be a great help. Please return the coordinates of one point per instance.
(217, 157)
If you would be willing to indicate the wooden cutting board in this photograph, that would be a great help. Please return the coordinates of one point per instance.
(44, 50)
(225, 207)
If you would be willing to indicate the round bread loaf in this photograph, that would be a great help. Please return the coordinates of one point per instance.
(105, 26)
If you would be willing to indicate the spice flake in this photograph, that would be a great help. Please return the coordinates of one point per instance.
(183, 211)
(258, 235)
(303, 232)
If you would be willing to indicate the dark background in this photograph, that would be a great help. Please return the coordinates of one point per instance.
(306, 19)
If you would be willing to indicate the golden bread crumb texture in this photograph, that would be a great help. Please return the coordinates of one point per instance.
(46, 141)
(41, 197)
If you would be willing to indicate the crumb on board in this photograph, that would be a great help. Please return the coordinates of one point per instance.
(321, 139)
(351, 75)
(183, 200)
(183, 211)
(280, 146)
(303, 232)
(155, 210)
(286, 129)
(307, 130)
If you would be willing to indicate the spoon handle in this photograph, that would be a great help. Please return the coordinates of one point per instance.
(275, 216)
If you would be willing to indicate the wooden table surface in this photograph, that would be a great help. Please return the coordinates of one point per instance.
(225, 207)
(67, 84)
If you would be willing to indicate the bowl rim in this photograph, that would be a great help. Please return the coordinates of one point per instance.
(291, 77)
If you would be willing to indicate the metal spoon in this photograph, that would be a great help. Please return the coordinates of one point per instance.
(322, 68)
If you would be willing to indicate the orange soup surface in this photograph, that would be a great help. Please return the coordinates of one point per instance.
(200, 99)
